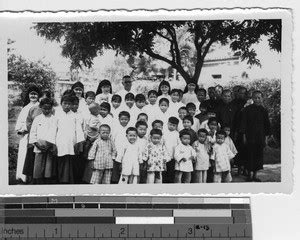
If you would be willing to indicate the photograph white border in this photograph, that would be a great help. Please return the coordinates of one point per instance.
(286, 184)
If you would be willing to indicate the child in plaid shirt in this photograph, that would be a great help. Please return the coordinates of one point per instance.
(103, 152)
(221, 155)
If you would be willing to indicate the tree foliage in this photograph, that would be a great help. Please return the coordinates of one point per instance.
(24, 73)
(83, 41)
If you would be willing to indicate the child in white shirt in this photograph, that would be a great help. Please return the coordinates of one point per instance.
(128, 104)
(190, 93)
(68, 134)
(164, 90)
(142, 140)
(104, 92)
(140, 102)
(202, 157)
(221, 155)
(116, 101)
(184, 156)
(171, 140)
(182, 112)
(229, 142)
(163, 113)
(191, 109)
(152, 107)
(105, 116)
(156, 157)
(175, 104)
(40, 136)
(130, 158)
(119, 138)
(142, 117)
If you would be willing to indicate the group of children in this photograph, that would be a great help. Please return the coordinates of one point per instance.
(172, 136)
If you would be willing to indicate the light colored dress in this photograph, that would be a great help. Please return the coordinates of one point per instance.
(171, 140)
(222, 154)
(184, 151)
(130, 157)
(20, 127)
(202, 156)
(68, 132)
(156, 157)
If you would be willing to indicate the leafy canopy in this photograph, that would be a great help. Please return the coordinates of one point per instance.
(83, 41)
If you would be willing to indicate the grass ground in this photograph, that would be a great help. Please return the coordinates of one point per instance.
(271, 172)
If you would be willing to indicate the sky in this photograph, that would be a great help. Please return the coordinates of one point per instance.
(33, 47)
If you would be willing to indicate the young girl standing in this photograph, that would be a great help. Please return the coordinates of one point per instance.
(68, 133)
(190, 93)
(78, 89)
(164, 90)
(31, 100)
(104, 92)
(42, 128)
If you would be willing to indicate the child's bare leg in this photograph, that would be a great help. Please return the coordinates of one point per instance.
(150, 177)
(204, 176)
(178, 177)
(158, 177)
(106, 176)
(217, 177)
(226, 177)
(133, 179)
(187, 177)
(197, 176)
(124, 179)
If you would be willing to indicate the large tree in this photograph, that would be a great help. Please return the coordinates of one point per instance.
(83, 41)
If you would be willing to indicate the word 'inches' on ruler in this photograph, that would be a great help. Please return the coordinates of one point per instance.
(121, 218)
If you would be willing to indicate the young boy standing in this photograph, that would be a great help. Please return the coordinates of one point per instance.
(171, 140)
(103, 152)
(184, 156)
(40, 136)
(142, 140)
(130, 158)
(220, 157)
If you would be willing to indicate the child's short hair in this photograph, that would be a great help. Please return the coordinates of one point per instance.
(66, 98)
(226, 91)
(104, 126)
(189, 118)
(191, 105)
(68, 92)
(221, 132)
(129, 96)
(163, 100)
(140, 98)
(180, 92)
(156, 131)
(45, 101)
(226, 126)
(130, 129)
(140, 123)
(202, 130)
(152, 92)
(184, 132)
(94, 106)
(201, 90)
(124, 113)
(212, 119)
(175, 90)
(90, 94)
(105, 105)
(257, 92)
(182, 108)
(116, 98)
(75, 100)
(173, 120)
(142, 114)
(157, 121)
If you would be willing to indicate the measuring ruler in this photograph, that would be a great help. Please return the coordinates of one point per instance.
(84, 217)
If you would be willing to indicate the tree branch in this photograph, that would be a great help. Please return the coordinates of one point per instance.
(172, 33)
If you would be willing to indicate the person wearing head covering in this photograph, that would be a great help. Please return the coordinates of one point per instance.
(31, 100)
(78, 89)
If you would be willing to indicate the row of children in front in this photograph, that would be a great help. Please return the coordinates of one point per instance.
(142, 159)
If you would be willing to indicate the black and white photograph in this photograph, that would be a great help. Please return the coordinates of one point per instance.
(182, 102)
